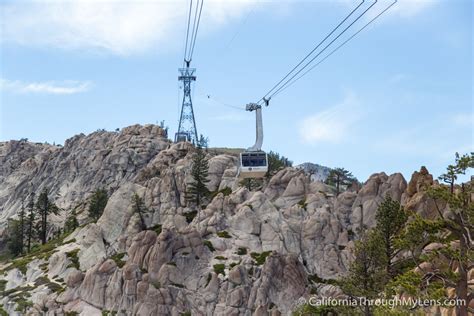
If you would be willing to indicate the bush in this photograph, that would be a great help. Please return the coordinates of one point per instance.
(220, 258)
(242, 251)
(118, 259)
(156, 229)
(223, 234)
(260, 257)
(72, 256)
(219, 268)
(209, 245)
(190, 216)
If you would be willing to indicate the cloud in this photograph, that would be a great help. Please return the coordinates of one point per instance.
(113, 26)
(332, 125)
(47, 87)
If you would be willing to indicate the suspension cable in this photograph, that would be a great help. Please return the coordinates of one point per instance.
(338, 47)
(197, 20)
(317, 55)
(314, 49)
(187, 31)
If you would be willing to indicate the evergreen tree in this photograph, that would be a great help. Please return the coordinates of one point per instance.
(367, 276)
(30, 222)
(276, 162)
(197, 189)
(71, 222)
(391, 219)
(340, 177)
(454, 230)
(97, 204)
(15, 237)
(139, 208)
(21, 229)
(44, 207)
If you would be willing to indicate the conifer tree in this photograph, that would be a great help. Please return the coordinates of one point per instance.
(44, 207)
(30, 222)
(197, 189)
(391, 219)
(97, 204)
(139, 208)
(340, 177)
(71, 222)
(15, 235)
(367, 275)
(454, 230)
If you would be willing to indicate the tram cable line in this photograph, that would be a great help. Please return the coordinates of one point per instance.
(314, 49)
(338, 47)
(266, 97)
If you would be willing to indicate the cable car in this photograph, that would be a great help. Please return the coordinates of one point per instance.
(253, 164)
(182, 137)
(254, 161)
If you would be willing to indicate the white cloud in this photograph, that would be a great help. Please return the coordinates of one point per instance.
(114, 26)
(47, 87)
(332, 125)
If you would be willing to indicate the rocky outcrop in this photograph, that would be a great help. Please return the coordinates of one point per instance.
(245, 253)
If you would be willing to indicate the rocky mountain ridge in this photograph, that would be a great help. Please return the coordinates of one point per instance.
(245, 253)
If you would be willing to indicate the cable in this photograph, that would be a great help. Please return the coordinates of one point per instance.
(337, 48)
(187, 31)
(193, 39)
(225, 104)
(314, 49)
(317, 55)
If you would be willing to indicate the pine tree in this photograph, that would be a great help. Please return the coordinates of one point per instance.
(197, 189)
(276, 162)
(45, 207)
(452, 230)
(21, 229)
(340, 177)
(15, 237)
(30, 222)
(139, 208)
(71, 222)
(367, 276)
(97, 203)
(391, 219)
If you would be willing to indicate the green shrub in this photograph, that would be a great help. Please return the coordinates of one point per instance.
(209, 278)
(118, 259)
(156, 229)
(302, 203)
(242, 251)
(220, 258)
(219, 268)
(260, 257)
(223, 234)
(209, 245)
(72, 256)
(190, 216)
(233, 264)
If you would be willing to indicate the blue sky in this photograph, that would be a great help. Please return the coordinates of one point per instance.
(400, 95)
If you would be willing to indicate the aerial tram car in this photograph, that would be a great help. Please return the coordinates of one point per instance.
(254, 161)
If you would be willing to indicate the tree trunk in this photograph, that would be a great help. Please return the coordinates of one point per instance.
(461, 287)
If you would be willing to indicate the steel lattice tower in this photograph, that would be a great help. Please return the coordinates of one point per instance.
(187, 125)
